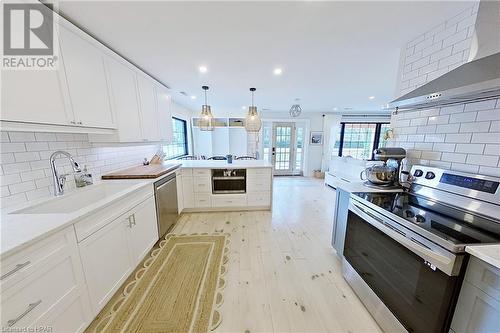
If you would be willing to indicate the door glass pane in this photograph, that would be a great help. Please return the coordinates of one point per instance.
(283, 149)
(299, 148)
(266, 141)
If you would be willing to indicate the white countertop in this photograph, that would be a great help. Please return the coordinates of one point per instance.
(356, 186)
(487, 253)
(20, 230)
(213, 164)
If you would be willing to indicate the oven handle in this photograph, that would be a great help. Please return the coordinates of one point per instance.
(434, 259)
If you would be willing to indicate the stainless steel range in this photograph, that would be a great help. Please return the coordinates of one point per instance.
(404, 253)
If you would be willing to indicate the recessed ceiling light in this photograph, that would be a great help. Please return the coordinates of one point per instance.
(335, 109)
(203, 69)
(277, 71)
(348, 108)
(243, 107)
(371, 97)
(193, 97)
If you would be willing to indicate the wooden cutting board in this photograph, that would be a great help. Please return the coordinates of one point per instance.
(142, 172)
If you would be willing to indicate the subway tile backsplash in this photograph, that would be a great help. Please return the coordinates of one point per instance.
(462, 137)
(25, 173)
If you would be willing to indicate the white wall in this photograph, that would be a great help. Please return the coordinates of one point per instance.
(313, 160)
(437, 51)
(462, 137)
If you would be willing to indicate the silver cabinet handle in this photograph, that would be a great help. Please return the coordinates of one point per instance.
(133, 219)
(30, 308)
(79, 123)
(18, 267)
(129, 221)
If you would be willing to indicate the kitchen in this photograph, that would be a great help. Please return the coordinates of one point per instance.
(141, 184)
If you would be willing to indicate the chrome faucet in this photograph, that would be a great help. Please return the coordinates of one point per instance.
(60, 180)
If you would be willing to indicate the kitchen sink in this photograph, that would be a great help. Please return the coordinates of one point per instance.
(76, 200)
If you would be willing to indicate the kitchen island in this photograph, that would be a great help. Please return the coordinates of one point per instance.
(212, 185)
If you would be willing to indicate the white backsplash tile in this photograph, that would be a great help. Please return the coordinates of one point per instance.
(25, 169)
(469, 143)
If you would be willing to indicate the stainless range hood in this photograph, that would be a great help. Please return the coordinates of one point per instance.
(477, 79)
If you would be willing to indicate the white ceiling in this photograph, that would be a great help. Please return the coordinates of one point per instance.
(333, 54)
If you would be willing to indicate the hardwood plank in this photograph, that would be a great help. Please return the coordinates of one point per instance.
(283, 275)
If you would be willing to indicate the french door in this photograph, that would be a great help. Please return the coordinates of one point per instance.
(283, 148)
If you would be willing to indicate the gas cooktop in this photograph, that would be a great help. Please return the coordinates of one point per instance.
(443, 221)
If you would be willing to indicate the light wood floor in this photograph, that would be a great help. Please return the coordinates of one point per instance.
(283, 274)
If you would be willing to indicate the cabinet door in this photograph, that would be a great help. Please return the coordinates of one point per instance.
(476, 311)
(341, 220)
(149, 114)
(124, 101)
(84, 68)
(106, 261)
(164, 103)
(35, 96)
(143, 230)
(187, 192)
(180, 196)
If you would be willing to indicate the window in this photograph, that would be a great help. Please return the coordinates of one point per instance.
(179, 145)
(358, 140)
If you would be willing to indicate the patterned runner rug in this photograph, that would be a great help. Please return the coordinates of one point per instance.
(177, 289)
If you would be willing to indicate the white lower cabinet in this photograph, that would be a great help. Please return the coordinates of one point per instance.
(197, 191)
(44, 286)
(143, 230)
(478, 307)
(110, 254)
(229, 200)
(106, 261)
(180, 196)
(187, 191)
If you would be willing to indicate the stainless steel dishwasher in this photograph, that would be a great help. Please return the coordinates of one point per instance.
(167, 211)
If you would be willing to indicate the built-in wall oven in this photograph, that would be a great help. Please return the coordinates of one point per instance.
(404, 253)
(227, 181)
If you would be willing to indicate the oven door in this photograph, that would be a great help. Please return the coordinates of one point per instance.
(403, 270)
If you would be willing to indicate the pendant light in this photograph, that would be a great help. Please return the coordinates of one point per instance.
(252, 121)
(296, 110)
(205, 123)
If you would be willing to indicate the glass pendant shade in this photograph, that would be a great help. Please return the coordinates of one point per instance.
(253, 123)
(205, 123)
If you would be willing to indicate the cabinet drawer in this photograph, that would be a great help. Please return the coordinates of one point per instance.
(32, 300)
(202, 200)
(187, 172)
(231, 200)
(202, 185)
(484, 276)
(27, 261)
(201, 172)
(259, 199)
(259, 185)
(260, 172)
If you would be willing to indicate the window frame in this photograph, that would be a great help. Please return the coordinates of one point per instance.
(376, 138)
(186, 145)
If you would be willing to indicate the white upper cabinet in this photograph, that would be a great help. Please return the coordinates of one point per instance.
(88, 89)
(35, 96)
(124, 101)
(164, 103)
(149, 112)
